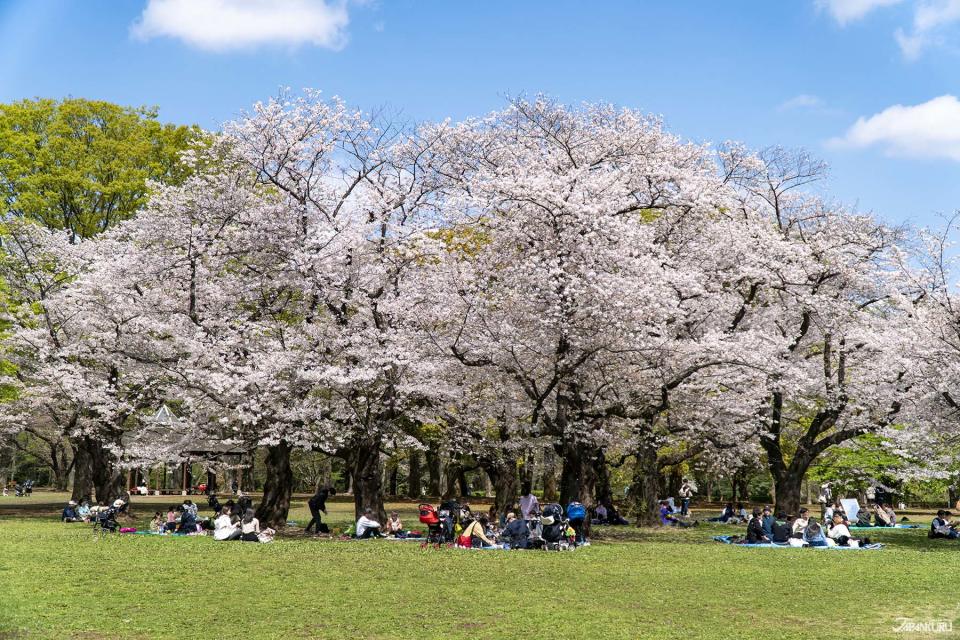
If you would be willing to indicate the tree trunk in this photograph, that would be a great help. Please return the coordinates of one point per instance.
(82, 471)
(434, 469)
(787, 490)
(643, 489)
(393, 479)
(211, 481)
(506, 484)
(366, 476)
(414, 487)
(104, 477)
(578, 476)
(278, 487)
(451, 472)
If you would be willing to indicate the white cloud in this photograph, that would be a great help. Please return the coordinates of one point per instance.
(929, 20)
(931, 129)
(845, 11)
(802, 101)
(221, 25)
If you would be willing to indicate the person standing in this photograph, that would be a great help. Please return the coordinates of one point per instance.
(824, 499)
(318, 504)
(529, 505)
(686, 492)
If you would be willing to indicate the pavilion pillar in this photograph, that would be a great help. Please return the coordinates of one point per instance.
(184, 473)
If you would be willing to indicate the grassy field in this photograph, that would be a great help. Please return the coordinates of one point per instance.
(58, 581)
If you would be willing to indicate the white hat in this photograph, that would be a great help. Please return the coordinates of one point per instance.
(72, 503)
(117, 503)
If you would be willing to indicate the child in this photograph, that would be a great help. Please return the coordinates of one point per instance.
(156, 525)
(394, 526)
(171, 519)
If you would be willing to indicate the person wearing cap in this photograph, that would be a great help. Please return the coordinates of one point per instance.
(70, 513)
(755, 533)
(516, 533)
(768, 521)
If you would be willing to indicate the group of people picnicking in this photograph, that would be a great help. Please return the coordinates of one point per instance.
(20, 489)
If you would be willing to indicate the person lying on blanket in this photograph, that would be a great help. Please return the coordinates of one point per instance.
(755, 533)
(941, 527)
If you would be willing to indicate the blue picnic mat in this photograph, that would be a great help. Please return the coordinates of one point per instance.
(782, 545)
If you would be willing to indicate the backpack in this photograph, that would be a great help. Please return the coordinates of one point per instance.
(576, 511)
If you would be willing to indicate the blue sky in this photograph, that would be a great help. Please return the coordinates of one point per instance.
(797, 73)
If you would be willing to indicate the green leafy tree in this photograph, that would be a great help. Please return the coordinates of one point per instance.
(84, 165)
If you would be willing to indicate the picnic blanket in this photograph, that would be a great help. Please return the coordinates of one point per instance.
(780, 545)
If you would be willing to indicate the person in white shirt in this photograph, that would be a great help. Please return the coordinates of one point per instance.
(367, 527)
(840, 534)
(529, 505)
(249, 527)
(601, 512)
(224, 528)
(801, 523)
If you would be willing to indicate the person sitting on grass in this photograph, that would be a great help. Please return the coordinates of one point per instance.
(768, 521)
(891, 515)
(813, 534)
(863, 518)
(881, 518)
(840, 534)
(755, 533)
(69, 513)
(394, 526)
(667, 518)
(157, 525)
(614, 517)
(800, 523)
(601, 514)
(516, 533)
(782, 528)
(249, 527)
(172, 519)
(367, 527)
(476, 533)
(83, 511)
(188, 521)
(940, 527)
(725, 515)
(224, 528)
(214, 504)
(742, 514)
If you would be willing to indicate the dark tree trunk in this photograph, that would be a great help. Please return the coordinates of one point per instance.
(674, 480)
(366, 476)
(506, 483)
(211, 481)
(414, 487)
(451, 472)
(107, 479)
(578, 476)
(787, 491)
(248, 481)
(392, 480)
(462, 483)
(643, 489)
(278, 487)
(434, 469)
(82, 471)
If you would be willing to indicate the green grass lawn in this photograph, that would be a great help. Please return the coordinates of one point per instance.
(58, 581)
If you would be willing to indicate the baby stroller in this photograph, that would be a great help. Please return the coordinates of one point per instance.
(436, 526)
(104, 521)
(554, 528)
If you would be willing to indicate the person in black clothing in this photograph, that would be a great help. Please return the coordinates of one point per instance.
(214, 504)
(782, 528)
(317, 504)
(755, 534)
(243, 503)
(516, 533)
